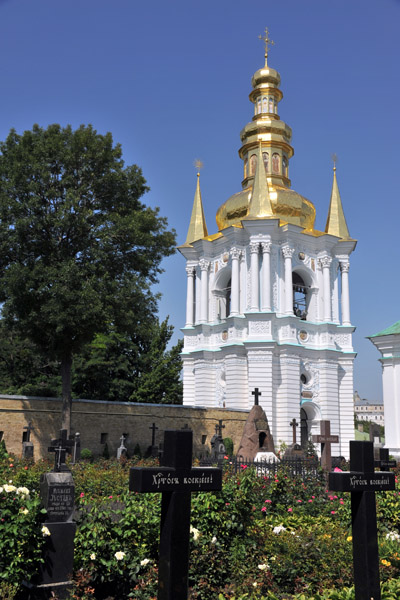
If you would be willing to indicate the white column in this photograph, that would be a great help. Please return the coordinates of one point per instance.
(190, 296)
(288, 253)
(204, 264)
(326, 263)
(235, 253)
(266, 277)
(344, 269)
(243, 287)
(255, 303)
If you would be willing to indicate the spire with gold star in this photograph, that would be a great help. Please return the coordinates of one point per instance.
(197, 227)
(336, 222)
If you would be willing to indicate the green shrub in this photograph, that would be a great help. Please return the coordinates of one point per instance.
(228, 443)
(86, 454)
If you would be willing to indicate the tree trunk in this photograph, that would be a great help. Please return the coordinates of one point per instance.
(66, 364)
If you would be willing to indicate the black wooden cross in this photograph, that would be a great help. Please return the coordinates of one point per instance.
(153, 434)
(363, 482)
(293, 423)
(61, 447)
(384, 463)
(256, 395)
(219, 428)
(326, 439)
(28, 428)
(175, 479)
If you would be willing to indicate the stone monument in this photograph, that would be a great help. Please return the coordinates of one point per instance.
(256, 433)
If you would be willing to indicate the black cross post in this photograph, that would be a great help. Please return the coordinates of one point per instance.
(175, 479)
(256, 395)
(293, 423)
(153, 434)
(61, 447)
(384, 463)
(363, 482)
(219, 428)
(326, 439)
(28, 428)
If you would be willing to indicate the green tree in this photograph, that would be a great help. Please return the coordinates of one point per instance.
(78, 250)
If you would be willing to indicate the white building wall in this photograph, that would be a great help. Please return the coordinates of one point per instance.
(288, 396)
(236, 381)
(346, 408)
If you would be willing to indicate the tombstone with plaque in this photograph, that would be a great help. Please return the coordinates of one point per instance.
(325, 438)
(57, 491)
(218, 450)
(122, 451)
(176, 479)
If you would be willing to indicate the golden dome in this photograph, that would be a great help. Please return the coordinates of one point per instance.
(287, 205)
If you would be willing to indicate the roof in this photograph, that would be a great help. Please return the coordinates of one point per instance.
(393, 329)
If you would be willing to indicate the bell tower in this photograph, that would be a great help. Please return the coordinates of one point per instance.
(268, 295)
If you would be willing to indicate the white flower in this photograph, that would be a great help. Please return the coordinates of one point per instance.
(9, 488)
(120, 555)
(24, 511)
(93, 556)
(1, 489)
(392, 535)
(23, 490)
(196, 533)
(278, 529)
(45, 531)
(262, 567)
(214, 540)
(255, 584)
(144, 562)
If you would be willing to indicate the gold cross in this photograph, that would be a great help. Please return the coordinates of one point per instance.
(268, 42)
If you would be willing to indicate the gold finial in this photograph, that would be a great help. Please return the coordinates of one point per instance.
(199, 165)
(268, 42)
(335, 159)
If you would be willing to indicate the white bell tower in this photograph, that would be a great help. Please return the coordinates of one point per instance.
(268, 295)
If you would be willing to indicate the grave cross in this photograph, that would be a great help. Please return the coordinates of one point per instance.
(384, 463)
(293, 423)
(363, 482)
(326, 439)
(153, 433)
(28, 428)
(219, 428)
(175, 479)
(60, 447)
(256, 395)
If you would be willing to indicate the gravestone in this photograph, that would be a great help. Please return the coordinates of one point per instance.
(122, 451)
(76, 449)
(153, 450)
(27, 445)
(294, 450)
(326, 439)
(57, 492)
(383, 462)
(362, 482)
(218, 450)
(256, 435)
(175, 479)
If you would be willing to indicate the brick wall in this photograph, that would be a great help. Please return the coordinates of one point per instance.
(92, 418)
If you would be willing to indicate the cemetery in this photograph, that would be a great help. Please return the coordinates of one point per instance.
(78, 529)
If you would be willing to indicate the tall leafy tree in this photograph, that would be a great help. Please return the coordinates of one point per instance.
(78, 249)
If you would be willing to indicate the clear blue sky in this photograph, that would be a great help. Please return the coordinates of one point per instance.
(170, 79)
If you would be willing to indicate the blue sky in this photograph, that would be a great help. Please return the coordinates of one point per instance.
(170, 79)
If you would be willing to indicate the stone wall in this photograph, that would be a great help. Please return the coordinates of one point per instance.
(99, 422)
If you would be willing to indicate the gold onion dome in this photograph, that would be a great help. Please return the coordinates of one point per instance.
(269, 137)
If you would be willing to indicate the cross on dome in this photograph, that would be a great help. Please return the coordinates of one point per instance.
(268, 42)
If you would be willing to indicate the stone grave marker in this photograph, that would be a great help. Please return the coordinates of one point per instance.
(176, 479)
(217, 443)
(383, 462)
(122, 451)
(326, 439)
(294, 450)
(27, 445)
(153, 450)
(57, 491)
(76, 449)
(362, 482)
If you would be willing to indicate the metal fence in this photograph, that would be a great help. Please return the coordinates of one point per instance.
(295, 466)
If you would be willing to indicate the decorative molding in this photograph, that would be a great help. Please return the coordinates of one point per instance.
(235, 253)
(190, 271)
(287, 251)
(344, 266)
(266, 247)
(260, 327)
(204, 264)
(254, 247)
(325, 262)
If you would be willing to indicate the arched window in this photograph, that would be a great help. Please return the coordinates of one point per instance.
(266, 161)
(253, 164)
(276, 167)
(271, 105)
(259, 105)
(299, 296)
(245, 168)
(228, 298)
(265, 104)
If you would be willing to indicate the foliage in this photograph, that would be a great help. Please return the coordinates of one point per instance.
(260, 537)
(228, 443)
(86, 454)
(78, 250)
